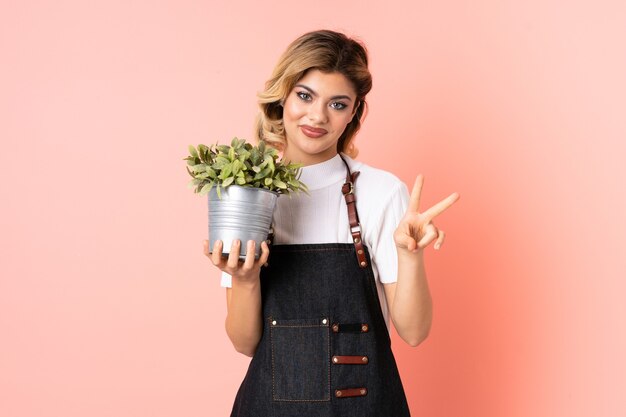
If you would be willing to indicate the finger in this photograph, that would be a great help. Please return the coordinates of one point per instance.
(414, 201)
(206, 249)
(440, 239)
(265, 253)
(216, 255)
(248, 264)
(429, 235)
(233, 256)
(440, 207)
(411, 244)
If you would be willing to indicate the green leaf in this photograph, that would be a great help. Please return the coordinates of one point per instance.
(240, 181)
(228, 181)
(202, 149)
(226, 171)
(294, 183)
(278, 183)
(206, 188)
(243, 156)
(192, 183)
(264, 173)
(220, 162)
(236, 166)
(192, 151)
(268, 181)
(255, 156)
(270, 162)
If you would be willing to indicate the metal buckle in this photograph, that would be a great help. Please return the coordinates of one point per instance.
(356, 229)
(351, 188)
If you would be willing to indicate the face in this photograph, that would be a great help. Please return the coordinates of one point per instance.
(315, 114)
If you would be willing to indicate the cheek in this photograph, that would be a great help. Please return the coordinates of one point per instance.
(291, 110)
(346, 120)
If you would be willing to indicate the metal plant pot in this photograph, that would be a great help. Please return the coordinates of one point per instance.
(243, 213)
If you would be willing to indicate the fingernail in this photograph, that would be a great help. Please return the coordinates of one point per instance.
(437, 246)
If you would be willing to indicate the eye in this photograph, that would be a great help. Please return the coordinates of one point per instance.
(337, 105)
(304, 95)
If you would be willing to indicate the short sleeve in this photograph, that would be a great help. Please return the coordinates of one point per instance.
(227, 280)
(380, 237)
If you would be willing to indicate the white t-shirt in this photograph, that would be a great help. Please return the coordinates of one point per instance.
(322, 216)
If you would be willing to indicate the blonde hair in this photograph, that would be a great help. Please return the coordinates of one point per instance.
(326, 51)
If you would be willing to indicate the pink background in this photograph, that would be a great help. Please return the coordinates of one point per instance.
(108, 306)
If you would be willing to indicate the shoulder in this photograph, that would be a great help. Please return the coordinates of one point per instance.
(376, 181)
(377, 189)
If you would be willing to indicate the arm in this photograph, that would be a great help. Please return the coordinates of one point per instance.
(244, 322)
(409, 299)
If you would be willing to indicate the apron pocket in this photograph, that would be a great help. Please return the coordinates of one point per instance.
(300, 359)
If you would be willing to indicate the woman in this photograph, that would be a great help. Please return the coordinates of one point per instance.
(314, 313)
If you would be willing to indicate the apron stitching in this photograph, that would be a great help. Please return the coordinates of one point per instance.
(328, 359)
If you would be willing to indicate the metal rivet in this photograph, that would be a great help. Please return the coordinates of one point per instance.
(364, 328)
(357, 240)
(360, 252)
(324, 321)
(338, 393)
(363, 391)
(273, 322)
(364, 359)
(335, 359)
(335, 328)
(363, 263)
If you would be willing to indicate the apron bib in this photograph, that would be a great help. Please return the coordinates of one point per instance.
(325, 349)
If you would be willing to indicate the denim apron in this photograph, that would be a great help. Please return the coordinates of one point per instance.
(325, 349)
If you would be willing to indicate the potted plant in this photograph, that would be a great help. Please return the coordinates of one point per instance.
(243, 182)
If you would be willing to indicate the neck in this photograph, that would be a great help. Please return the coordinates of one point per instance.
(306, 160)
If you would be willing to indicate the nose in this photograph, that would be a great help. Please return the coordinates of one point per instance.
(317, 113)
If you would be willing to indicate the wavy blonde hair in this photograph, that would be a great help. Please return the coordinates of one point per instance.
(326, 51)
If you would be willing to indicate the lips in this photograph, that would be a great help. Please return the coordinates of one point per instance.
(312, 132)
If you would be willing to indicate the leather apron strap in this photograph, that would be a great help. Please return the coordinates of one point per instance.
(353, 216)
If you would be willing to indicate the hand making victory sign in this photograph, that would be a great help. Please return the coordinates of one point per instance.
(416, 230)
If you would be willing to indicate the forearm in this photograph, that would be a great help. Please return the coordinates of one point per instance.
(412, 304)
(244, 324)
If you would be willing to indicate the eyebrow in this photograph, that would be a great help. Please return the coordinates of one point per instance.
(339, 97)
